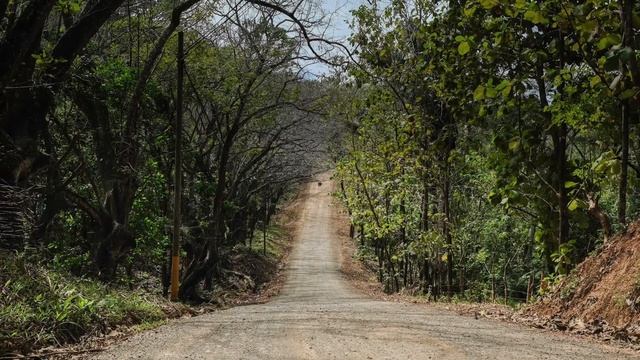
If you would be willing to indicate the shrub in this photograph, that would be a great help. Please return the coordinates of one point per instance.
(40, 307)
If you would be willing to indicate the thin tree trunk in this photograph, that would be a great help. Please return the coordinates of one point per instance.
(561, 163)
(563, 198)
(264, 227)
(557, 167)
(530, 247)
(624, 164)
(424, 216)
(346, 201)
(446, 210)
(599, 215)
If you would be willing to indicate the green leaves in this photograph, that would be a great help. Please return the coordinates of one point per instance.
(469, 10)
(609, 40)
(69, 7)
(490, 91)
(489, 4)
(463, 48)
(563, 257)
(513, 76)
(628, 93)
(536, 17)
(573, 205)
(514, 145)
(505, 88)
(520, 4)
(478, 93)
(606, 164)
(464, 45)
(570, 184)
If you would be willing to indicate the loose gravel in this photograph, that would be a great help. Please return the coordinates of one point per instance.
(318, 315)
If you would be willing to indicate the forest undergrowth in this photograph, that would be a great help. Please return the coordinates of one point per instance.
(49, 311)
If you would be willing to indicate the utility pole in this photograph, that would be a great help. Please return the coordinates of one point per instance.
(177, 203)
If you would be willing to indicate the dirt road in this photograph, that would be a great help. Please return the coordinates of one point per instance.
(319, 316)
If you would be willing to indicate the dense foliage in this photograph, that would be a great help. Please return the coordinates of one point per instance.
(41, 307)
(482, 147)
(493, 143)
(87, 131)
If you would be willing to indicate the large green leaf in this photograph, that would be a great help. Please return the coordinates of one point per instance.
(488, 4)
(573, 205)
(478, 93)
(608, 41)
(464, 48)
(535, 17)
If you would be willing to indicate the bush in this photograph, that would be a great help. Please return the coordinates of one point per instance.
(40, 307)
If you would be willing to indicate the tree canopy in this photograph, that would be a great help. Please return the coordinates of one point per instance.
(491, 141)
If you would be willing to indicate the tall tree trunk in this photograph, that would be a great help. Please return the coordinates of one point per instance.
(208, 260)
(557, 174)
(624, 165)
(561, 162)
(424, 208)
(560, 152)
(529, 254)
(424, 227)
(628, 40)
(446, 231)
(346, 201)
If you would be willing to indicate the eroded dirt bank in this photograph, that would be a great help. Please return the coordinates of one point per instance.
(318, 315)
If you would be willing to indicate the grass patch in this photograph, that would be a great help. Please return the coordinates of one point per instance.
(41, 307)
(275, 241)
(150, 325)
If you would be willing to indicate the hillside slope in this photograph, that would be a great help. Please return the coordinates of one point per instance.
(602, 295)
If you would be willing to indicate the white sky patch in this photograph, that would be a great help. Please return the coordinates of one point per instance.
(338, 16)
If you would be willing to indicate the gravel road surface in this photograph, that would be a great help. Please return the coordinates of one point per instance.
(319, 316)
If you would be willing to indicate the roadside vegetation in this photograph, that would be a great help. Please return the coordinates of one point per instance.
(42, 307)
(45, 306)
(90, 97)
(492, 144)
(482, 148)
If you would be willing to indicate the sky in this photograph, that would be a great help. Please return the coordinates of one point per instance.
(339, 14)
